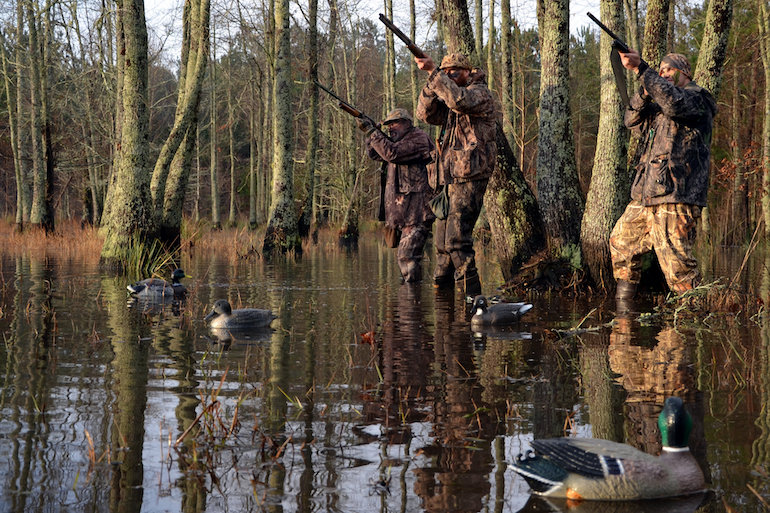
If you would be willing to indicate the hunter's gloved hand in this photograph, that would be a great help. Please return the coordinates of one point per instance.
(365, 125)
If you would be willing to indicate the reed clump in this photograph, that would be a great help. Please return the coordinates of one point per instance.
(705, 301)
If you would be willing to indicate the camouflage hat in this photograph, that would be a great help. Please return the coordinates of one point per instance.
(397, 114)
(455, 60)
(678, 61)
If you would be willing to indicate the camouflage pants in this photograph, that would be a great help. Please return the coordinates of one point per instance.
(454, 235)
(410, 249)
(669, 229)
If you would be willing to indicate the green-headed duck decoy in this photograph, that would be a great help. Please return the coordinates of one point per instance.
(594, 469)
(157, 288)
(222, 316)
(499, 314)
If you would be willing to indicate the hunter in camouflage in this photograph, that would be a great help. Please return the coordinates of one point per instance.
(406, 152)
(674, 116)
(456, 98)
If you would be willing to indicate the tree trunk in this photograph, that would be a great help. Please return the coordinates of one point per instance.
(231, 135)
(253, 158)
(216, 221)
(40, 214)
(506, 92)
(48, 149)
(558, 190)
(632, 27)
(490, 47)
(176, 187)
(21, 128)
(458, 33)
(713, 48)
(309, 215)
(119, 83)
(14, 138)
(265, 159)
(610, 183)
(711, 58)
(670, 42)
(130, 217)
(512, 211)
(197, 206)
(655, 31)
(632, 34)
(281, 232)
(390, 64)
(737, 227)
(173, 167)
(440, 25)
(764, 39)
(479, 20)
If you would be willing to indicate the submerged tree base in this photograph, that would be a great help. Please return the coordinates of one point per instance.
(279, 241)
(543, 273)
(348, 239)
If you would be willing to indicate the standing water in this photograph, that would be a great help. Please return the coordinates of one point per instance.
(366, 395)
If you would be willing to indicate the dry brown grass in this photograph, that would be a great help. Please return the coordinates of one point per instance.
(237, 243)
(68, 240)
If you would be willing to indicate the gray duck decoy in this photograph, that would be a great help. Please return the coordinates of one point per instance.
(499, 314)
(158, 288)
(222, 316)
(594, 469)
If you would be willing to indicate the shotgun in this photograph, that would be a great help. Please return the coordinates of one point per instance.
(349, 108)
(416, 51)
(618, 45)
(359, 114)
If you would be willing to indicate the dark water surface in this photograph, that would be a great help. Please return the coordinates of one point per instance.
(368, 395)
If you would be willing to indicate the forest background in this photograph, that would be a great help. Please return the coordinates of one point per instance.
(99, 125)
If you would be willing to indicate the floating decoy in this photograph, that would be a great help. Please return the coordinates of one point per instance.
(222, 316)
(157, 288)
(684, 504)
(499, 314)
(594, 469)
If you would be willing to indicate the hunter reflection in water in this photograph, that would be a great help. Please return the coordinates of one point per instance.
(649, 371)
(454, 477)
(406, 360)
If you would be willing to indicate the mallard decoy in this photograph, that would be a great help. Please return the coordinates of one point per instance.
(156, 287)
(684, 504)
(222, 316)
(594, 469)
(499, 314)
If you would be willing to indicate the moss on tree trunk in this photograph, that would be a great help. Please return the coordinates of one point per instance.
(610, 185)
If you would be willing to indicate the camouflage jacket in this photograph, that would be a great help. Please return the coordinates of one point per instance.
(675, 124)
(468, 116)
(406, 157)
(407, 192)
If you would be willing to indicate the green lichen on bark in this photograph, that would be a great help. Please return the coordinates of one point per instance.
(282, 234)
(609, 189)
(557, 184)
